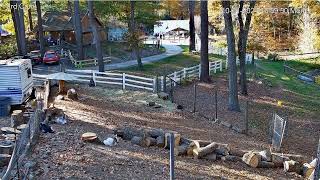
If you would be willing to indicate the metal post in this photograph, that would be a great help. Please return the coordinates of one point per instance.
(171, 156)
(195, 98)
(216, 105)
(246, 118)
(317, 169)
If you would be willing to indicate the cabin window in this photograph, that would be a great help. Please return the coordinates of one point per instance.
(29, 72)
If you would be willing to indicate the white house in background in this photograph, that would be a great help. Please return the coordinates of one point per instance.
(172, 28)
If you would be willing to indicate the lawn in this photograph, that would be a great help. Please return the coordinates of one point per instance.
(305, 65)
(307, 95)
(171, 64)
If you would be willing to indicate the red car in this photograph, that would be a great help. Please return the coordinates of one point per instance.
(35, 57)
(51, 57)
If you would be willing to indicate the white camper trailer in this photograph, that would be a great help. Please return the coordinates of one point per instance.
(16, 80)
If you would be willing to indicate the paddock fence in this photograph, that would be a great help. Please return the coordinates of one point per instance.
(86, 62)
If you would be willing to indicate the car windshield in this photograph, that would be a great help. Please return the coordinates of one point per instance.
(50, 55)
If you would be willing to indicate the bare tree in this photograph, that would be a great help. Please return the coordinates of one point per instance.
(40, 28)
(204, 76)
(96, 38)
(242, 43)
(192, 42)
(233, 103)
(78, 29)
(134, 35)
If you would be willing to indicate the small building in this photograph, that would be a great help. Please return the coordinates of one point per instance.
(59, 26)
(172, 28)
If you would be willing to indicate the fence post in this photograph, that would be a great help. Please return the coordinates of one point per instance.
(172, 156)
(210, 64)
(123, 81)
(220, 66)
(215, 67)
(216, 105)
(155, 84)
(317, 168)
(164, 88)
(227, 62)
(246, 118)
(175, 78)
(94, 78)
(194, 98)
(199, 70)
(184, 73)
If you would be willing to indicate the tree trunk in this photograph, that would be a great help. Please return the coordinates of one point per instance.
(242, 44)
(15, 19)
(40, 28)
(22, 29)
(132, 30)
(96, 38)
(204, 75)
(233, 103)
(78, 29)
(30, 19)
(192, 45)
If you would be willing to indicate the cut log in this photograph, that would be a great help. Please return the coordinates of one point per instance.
(252, 159)
(89, 137)
(181, 150)
(266, 164)
(294, 157)
(237, 152)
(129, 133)
(266, 155)
(21, 127)
(163, 95)
(313, 163)
(210, 157)
(16, 118)
(278, 160)
(226, 124)
(10, 130)
(149, 141)
(231, 158)
(154, 133)
(307, 170)
(292, 166)
(177, 138)
(138, 140)
(185, 140)
(4, 159)
(160, 141)
(202, 151)
(223, 149)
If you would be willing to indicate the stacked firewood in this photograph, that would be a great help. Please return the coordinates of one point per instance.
(213, 151)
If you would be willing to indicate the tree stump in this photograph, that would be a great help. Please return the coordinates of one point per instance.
(292, 166)
(252, 159)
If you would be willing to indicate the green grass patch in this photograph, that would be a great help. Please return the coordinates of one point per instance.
(307, 96)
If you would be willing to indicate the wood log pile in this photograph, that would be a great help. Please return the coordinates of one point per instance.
(213, 151)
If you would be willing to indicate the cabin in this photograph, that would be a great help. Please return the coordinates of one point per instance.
(171, 29)
(59, 27)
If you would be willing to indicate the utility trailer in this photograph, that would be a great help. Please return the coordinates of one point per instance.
(16, 80)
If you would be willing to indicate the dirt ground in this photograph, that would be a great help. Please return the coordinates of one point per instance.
(62, 155)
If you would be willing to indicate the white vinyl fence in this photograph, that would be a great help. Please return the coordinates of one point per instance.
(123, 80)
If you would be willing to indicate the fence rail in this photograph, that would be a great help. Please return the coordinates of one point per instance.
(86, 62)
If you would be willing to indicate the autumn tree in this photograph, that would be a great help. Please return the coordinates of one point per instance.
(78, 29)
(233, 102)
(192, 40)
(242, 42)
(204, 64)
(96, 36)
(40, 28)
